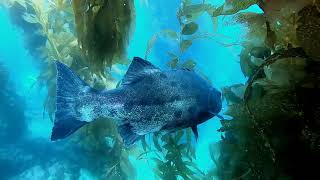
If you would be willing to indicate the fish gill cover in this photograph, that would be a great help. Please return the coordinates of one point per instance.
(274, 129)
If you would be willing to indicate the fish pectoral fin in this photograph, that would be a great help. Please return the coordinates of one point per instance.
(195, 131)
(128, 136)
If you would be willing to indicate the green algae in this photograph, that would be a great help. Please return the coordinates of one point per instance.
(103, 29)
(274, 133)
(267, 137)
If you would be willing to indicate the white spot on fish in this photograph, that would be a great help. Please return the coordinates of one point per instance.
(86, 113)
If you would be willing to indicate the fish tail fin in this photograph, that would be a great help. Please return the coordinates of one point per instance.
(69, 85)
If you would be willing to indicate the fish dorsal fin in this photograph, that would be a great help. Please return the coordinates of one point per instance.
(137, 69)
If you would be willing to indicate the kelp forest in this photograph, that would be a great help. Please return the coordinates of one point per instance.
(270, 128)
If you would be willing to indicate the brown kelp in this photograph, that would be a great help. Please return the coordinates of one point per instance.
(103, 29)
(274, 133)
(110, 160)
(173, 155)
(56, 20)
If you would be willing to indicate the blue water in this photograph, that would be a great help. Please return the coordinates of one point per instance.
(219, 63)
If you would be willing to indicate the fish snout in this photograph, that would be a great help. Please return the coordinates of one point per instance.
(215, 101)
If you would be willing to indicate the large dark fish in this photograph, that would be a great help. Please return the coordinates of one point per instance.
(148, 100)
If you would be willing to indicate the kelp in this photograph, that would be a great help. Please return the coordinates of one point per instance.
(281, 119)
(100, 140)
(174, 155)
(288, 55)
(103, 29)
(189, 28)
(274, 130)
(273, 134)
(175, 57)
(60, 44)
(185, 36)
(56, 23)
(308, 30)
(231, 7)
(110, 160)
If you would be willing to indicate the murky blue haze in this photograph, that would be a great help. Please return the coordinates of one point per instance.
(34, 149)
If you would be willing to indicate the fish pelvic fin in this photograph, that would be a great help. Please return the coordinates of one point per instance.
(195, 132)
(128, 136)
(69, 87)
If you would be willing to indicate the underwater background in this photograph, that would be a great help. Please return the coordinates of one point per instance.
(262, 54)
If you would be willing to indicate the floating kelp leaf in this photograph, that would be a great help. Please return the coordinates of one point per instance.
(230, 97)
(155, 138)
(182, 147)
(286, 72)
(190, 28)
(190, 13)
(247, 18)
(157, 161)
(189, 64)
(185, 44)
(141, 155)
(227, 125)
(234, 94)
(143, 141)
(268, 86)
(194, 166)
(215, 22)
(150, 45)
(186, 2)
(273, 9)
(170, 33)
(172, 55)
(173, 63)
(166, 137)
(189, 134)
(196, 8)
(308, 31)
(185, 172)
(64, 38)
(193, 152)
(246, 65)
(168, 147)
(233, 6)
(178, 135)
(260, 52)
(271, 37)
(256, 61)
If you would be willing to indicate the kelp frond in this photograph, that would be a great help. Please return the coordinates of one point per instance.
(103, 29)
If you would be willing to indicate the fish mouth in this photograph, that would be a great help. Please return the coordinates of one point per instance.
(214, 101)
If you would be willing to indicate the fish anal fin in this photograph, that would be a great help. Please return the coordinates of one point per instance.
(128, 136)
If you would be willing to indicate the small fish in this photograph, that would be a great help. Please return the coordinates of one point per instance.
(148, 100)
